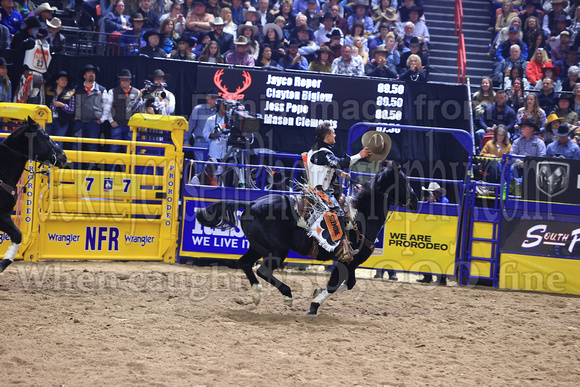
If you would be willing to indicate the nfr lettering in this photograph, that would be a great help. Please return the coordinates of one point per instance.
(96, 236)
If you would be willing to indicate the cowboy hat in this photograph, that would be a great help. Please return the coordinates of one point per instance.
(563, 18)
(44, 7)
(217, 22)
(562, 131)
(417, 9)
(191, 40)
(275, 27)
(381, 48)
(550, 66)
(148, 34)
(125, 73)
(276, 177)
(435, 187)
(249, 25)
(379, 144)
(88, 67)
(391, 14)
(241, 41)
(551, 118)
(563, 97)
(202, 2)
(334, 34)
(251, 9)
(213, 91)
(565, 2)
(360, 3)
(4, 63)
(61, 74)
(31, 22)
(532, 123)
(137, 17)
(54, 23)
(159, 73)
(323, 49)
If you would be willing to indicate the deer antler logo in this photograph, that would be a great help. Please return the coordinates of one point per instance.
(226, 94)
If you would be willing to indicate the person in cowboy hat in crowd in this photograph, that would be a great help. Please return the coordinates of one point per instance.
(249, 31)
(301, 21)
(564, 110)
(224, 40)
(529, 144)
(552, 124)
(240, 55)
(292, 59)
(10, 17)
(324, 168)
(273, 36)
(44, 13)
(564, 148)
(550, 19)
(325, 29)
(198, 21)
(322, 63)
(119, 100)
(56, 40)
(277, 181)
(361, 12)
(421, 30)
(339, 22)
(183, 50)
(302, 5)
(133, 39)
(334, 44)
(5, 84)
(153, 47)
(60, 99)
(252, 15)
(530, 8)
(155, 99)
(151, 18)
(306, 47)
(90, 109)
(30, 30)
(379, 67)
(384, 13)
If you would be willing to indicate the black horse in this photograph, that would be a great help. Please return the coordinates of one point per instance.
(29, 142)
(270, 225)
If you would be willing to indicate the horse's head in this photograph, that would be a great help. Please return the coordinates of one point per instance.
(394, 185)
(34, 143)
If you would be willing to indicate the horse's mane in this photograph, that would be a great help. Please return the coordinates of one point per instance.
(363, 201)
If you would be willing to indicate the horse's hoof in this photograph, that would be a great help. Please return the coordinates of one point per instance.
(256, 293)
(317, 292)
(313, 309)
(288, 301)
(4, 264)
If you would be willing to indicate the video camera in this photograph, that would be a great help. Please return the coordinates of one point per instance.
(239, 122)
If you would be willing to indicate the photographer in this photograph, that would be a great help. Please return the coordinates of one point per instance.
(214, 131)
(154, 98)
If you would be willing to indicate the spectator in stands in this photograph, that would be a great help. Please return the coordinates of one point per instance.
(552, 123)
(436, 194)
(151, 18)
(515, 72)
(531, 31)
(176, 15)
(326, 28)
(550, 19)
(339, 22)
(213, 8)
(285, 12)
(565, 64)
(119, 99)
(312, 16)
(168, 36)
(56, 40)
(224, 40)
(552, 72)
(329, 3)
(405, 9)
(516, 94)
(322, 64)
(30, 31)
(503, 34)
(421, 30)
(503, 49)
(507, 12)
(575, 26)
(532, 111)
(532, 8)
(380, 38)
(496, 114)
(416, 71)
(198, 21)
(564, 110)
(212, 132)
(572, 78)
(414, 49)
(361, 13)
(576, 99)
(357, 30)
(263, 6)
(562, 24)
(528, 144)
(404, 39)
(204, 40)
(306, 47)
(380, 67)
(90, 111)
(183, 51)
(152, 49)
(187, 7)
(240, 55)
(211, 53)
(273, 36)
(44, 13)
(301, 21)
(249, 31)
(157, 100)
(563, 148)
(229, 26)
(237, 12)
(300, 6)
(334, 44)
(346, 65)
(547, 96)
(482, 98)
(197, 119)
(5, 83)
(133, 39)
(383, 13)
(117, 21)
(361, 49)
(558, 52)
(503, 69)
(61, 102)
(280, 22)
(497, 147)
(10, 18)
(265, 58)
(253, 16)
(535, 66)
(292, 59)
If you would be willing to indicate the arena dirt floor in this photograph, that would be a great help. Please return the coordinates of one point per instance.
(142, 324)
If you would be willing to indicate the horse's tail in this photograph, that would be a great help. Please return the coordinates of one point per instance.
(220, 214)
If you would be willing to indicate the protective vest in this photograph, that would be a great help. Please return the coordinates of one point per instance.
(38, 58)
(319, 174)
(120, 104)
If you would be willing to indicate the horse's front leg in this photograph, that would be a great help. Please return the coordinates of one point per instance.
(7, 225)
(266, 271)
(336, 284)
(246, 263)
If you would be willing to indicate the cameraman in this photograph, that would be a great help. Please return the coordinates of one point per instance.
(214, 131)
(154, 98)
